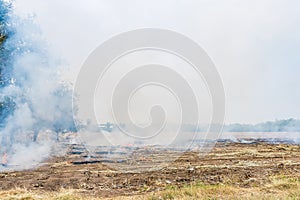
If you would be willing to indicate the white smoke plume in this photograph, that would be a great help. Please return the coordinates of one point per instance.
(42, 103)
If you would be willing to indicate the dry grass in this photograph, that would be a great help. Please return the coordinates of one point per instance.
(280, 187)
(229, 172)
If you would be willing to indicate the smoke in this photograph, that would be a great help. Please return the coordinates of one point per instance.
(35, 101)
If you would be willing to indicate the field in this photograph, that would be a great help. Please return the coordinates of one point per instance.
(231, 171)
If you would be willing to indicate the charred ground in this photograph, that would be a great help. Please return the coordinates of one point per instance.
(236, 164)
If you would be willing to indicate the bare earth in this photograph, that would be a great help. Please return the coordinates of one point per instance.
(234, 164)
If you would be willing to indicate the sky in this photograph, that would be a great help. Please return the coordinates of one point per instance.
(255, 44)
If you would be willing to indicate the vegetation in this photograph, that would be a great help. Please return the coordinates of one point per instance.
(284, 125)
(6, 103)
(288, 125)
(280, 187)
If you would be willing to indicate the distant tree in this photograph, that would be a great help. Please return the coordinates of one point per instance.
(285, 125)
(7, 105)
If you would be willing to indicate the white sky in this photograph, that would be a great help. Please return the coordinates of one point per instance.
(255, 44)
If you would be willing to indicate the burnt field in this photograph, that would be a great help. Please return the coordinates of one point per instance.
(236, 164)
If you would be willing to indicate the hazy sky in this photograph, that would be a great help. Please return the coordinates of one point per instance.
(255, 44)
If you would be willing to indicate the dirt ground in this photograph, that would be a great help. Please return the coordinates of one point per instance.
(236, 164)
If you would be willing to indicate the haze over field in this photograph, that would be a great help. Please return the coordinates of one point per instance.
(254, 44)
(149, 99)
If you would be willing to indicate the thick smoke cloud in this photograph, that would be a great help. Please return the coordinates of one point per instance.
(253, 43)
(35, 102)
